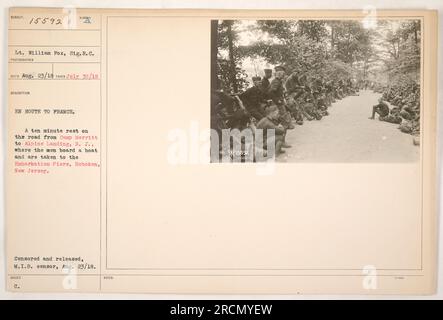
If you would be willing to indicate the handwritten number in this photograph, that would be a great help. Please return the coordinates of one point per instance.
(41, 20)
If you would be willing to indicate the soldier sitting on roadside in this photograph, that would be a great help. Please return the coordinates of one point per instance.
(412, 126)
(320, 104)
(271, 122)
(382, 109)
(295, 90)
(310, 108)
(393, 116)
(254, 99)
(240, 117)
(329, 92)
(276, 92)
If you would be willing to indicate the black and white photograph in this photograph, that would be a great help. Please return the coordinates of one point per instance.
(224, 151)
(315, 90)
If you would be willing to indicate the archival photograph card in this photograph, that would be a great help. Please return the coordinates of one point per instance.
(221, 151)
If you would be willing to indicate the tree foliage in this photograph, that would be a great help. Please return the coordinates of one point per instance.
(403, 48)
(328, 49)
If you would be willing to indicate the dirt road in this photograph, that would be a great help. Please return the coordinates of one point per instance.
(347, 135)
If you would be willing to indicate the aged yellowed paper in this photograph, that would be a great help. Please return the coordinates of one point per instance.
(115, 183)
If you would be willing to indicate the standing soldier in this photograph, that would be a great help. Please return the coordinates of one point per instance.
(265, 84)
(276, 93)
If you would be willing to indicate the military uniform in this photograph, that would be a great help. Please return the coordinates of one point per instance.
(276, 93)
(329, 93)
(382, 109)
(320, 104)
(267, 123)
(295, 91)
(252, 99)
(265, 84)
(394, 116)
(293, 85)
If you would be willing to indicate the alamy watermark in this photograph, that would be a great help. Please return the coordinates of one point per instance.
(203, 146)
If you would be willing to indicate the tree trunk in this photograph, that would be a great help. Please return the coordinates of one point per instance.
(365, 63)
(415, 32)
(231, 58)
(215, 83)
